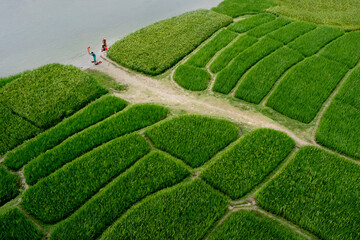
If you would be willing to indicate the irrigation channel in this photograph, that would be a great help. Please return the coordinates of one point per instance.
(39, 32)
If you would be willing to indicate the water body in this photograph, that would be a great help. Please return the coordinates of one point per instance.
(38, 32)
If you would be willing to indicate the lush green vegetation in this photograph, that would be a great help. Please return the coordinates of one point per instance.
(266, 28)
(192, 78)
(134, 118)
(47, 94)
(318, 191)
(56, 196)
(345, 49)
(261, 78)
(4, 81)
(236, 8)
(306, 87)
(251, 22)
(14, 225)
(204, 55)
(185, 211)
(339, 126)
(14, 129)
(106, 81)
(158, 47)
(152, 173)
(250, 224)
(231, 52)
(93, 113)
(238, 170)
(229, 76)
(313, 41)
(9, 185)
(339, 13)
(194, 139)
(292, 31)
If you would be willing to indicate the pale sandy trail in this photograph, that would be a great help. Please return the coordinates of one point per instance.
(143, 89)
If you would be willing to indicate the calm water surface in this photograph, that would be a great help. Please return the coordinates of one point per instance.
(37, 32)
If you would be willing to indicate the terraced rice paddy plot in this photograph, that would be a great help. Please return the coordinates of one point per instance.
(292, 31)
(152, 173)
(186, 211)
(61, 193)
(250, 224)
(47, 94)
(236, 8)
(262, 77)
(91, 114)
(251, 22)
(345, 49)
(266, 28)
(319, 192)
(192, 78)
(14, 225)
(229, 76)
(306, 87)
(230, 52)
(339, 126)
(194, 139)
(313, 41)
(14, 129)
(9, 185)
(238, 170)
(339, 13)
(4, 81)
(158, 47)
(134, 118)
(203, 56)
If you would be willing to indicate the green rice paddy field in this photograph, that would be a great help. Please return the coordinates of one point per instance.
(77, 161)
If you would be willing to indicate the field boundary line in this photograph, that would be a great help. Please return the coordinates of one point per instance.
(219, 223)
(267, 179)
(32, 219)
(24, 184)
(285, 222)
(328, 102)
(265, 99)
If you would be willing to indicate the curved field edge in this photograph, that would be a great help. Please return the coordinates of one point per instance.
(157, 47)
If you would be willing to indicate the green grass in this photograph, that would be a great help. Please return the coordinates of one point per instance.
(302, 92)
(339, 13)
(229, 76)
(266, 28)
(4, 81)
(225, 57)
(106, 81)
(251, 22)
(339, 126)
(292, 31)
(91, 114)
(252, 225)
(132, 119)
(345, 49)
(61, 193)
(158, 47)
(150, 174)
(9, 185)
(14, 130)
(313, 41)
(186, 211)
(236, 8)
(14, 225)
(47, 94)
(204, 55)
(262, 77)
(192, 78)
(238, 170)
(192, 138)
(319, 192)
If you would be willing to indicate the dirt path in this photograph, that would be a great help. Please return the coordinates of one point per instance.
(143, 89)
